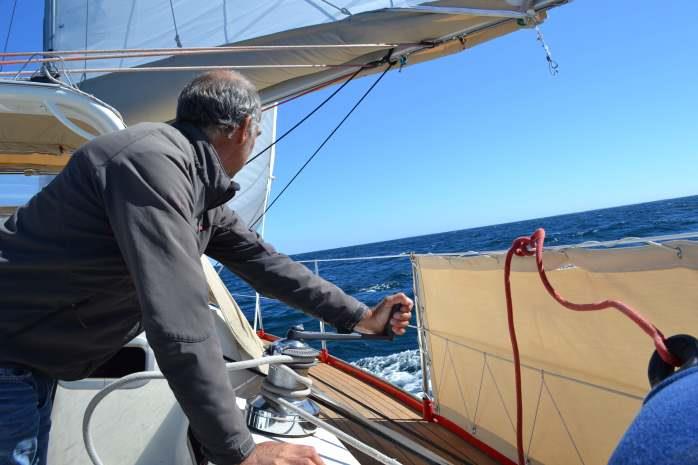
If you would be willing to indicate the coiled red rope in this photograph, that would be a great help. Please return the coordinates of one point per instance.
(527, 246)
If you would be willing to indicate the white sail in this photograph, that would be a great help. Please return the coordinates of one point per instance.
(119, 24)
(255, 178)
(357, 34)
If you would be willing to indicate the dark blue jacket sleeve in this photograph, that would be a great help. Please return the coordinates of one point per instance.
(665, 430)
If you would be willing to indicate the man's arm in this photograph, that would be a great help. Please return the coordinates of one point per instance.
(149, 203)
(276, 275)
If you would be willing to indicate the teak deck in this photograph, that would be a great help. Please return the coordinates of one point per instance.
(384, 410)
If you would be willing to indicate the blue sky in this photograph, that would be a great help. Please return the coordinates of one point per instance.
(488, 136)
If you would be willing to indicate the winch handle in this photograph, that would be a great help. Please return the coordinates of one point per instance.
(387, 335)
(388, 332)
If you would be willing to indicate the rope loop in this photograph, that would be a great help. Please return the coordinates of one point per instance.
(521, 247)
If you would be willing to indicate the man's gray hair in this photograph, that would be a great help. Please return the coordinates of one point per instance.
(218, 100)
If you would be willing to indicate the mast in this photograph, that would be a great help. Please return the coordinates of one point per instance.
(49, 23)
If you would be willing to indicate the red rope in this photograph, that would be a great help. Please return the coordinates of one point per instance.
(527, 246)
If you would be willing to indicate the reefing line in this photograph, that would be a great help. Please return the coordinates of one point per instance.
(196, 50)
(158, 69)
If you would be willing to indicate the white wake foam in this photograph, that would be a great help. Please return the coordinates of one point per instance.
(402, 369)
(379, 287)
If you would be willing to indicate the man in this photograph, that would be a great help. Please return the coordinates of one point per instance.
(111, 247)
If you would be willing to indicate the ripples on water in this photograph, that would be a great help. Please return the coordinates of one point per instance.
(370, 281)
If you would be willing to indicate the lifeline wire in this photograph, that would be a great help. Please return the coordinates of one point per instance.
(278, 139)
(322, 145)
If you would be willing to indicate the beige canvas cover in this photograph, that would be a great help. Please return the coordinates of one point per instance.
(584, 374)
(249, 344)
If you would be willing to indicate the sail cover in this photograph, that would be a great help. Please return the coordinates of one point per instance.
(584, 374)
(357, 32)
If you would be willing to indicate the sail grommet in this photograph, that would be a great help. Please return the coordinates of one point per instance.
(682, 346)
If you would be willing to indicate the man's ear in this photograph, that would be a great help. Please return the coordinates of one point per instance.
(244, 130)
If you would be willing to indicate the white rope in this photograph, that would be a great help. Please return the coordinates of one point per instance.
(269, 389)
(344, 437)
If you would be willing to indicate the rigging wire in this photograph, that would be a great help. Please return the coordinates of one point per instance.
(278, 139)
(552, 64)
(9, 29)
(300, 170)
(87, 22)
(174, 21)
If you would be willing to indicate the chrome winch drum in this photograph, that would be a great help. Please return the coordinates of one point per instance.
(266, 416)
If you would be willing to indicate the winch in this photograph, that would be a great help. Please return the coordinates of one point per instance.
(266, 416)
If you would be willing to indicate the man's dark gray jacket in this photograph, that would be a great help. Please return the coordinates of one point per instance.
(112, 246)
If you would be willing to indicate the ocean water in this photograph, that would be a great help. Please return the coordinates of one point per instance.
(370, 281)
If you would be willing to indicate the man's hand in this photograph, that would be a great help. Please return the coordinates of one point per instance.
(375, 320)
(281, 453)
